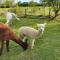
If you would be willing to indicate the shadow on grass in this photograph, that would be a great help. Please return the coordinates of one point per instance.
(35, 17)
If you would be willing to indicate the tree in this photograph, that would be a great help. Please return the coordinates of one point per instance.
(32, 3)
(55, 4)
(56, 7)
(44, 5)
(47, 3)
(19, 3)
(7, 3)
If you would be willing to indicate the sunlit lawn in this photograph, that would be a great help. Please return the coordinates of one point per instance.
(46, 48)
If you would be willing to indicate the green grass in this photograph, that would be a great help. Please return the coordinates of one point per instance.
(46, 48)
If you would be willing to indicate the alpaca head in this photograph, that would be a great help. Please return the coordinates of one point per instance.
(41, 27)
(25, 45)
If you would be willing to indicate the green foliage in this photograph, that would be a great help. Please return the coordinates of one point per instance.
(7, 4)
(31, 3)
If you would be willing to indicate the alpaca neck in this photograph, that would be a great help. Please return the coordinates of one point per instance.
(18, 41)
(21, 43)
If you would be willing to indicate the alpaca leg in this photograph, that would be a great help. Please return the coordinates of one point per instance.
(32, 43)
(25, 39)
(29, 42)
(1, 47)
(7, 45)
(7, 21)
(10, 22)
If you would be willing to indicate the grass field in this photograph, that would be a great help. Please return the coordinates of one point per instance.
(46, 48)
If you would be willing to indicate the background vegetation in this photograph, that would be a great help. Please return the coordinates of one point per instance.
(31, 13)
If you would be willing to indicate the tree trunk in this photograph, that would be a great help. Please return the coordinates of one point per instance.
(49, 11)
(25, 12)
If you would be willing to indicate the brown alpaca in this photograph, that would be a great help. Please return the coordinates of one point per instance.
(6, 34)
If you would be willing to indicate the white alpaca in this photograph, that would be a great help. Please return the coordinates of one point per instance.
(41, 27)
(31, 33)
(9, 16)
